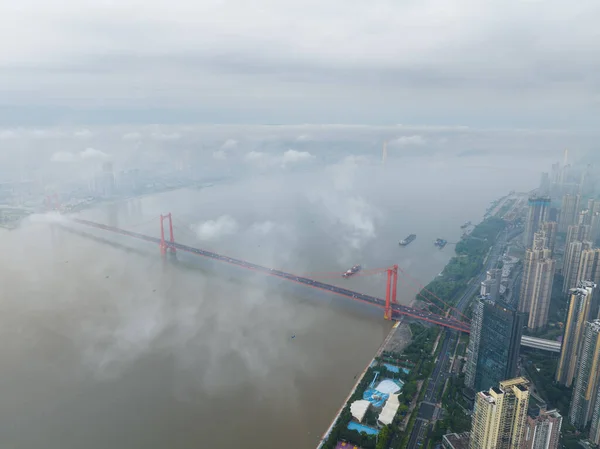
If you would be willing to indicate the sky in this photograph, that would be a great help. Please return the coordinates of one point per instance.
(517, 63)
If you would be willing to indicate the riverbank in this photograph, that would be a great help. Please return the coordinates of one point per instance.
(471, 259)
(359, 380)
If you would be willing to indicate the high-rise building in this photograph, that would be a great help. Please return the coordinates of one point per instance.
(490, 287)
(473, 346)
(500, 416)
(578, 313)
(498, 348)
(537, 214)
(550, 228)
(595, 228)
(586, 377)
(593, 205)
(595, 427)
(545, 183)
(543, 431)
(568, 211)
(572, 263)
(589, 265)
(577, 233)
(536, 286)
(593, 209)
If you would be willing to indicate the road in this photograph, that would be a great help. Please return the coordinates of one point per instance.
(441, 372)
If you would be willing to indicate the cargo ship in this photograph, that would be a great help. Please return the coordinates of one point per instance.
(440, 243)
(408, 240)
(355, 269)
(466, 225)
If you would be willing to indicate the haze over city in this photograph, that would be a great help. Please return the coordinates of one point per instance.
(332, 144)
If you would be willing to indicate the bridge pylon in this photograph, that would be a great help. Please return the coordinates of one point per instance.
(164, 246)
(390, 291)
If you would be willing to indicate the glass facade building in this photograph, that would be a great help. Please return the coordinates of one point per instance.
(499, 343)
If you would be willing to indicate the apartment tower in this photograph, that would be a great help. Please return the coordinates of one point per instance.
(587, 374)
(578, 313)
(537, 214)
(500, 416)
(536, 286)
(568, 211)
(543, 431)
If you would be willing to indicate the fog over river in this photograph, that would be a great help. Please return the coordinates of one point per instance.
(107, 348)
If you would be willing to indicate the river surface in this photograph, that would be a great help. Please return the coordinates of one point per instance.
(108, 347)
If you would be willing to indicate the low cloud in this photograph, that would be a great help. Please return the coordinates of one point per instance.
(63, 156)
(7, 134)
(255, 156)
(166, 136)
(267, 160)
(229, 144)
(269, 227)
(92, 153)
(343, 173)
(214, 229)
(87, 154)
(220, 155)
(83, 134)
(293, 156)
(132, 137)
(406, 141)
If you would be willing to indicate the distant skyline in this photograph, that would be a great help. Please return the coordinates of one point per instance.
(458, 62)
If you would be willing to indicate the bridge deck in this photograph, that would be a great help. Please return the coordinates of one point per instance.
(398, 310)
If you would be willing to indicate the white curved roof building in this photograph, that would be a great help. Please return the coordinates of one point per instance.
(389, 410)
(359, 409)
(388, 387)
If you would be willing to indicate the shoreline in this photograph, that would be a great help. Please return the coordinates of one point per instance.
(387, 339)
(495, 204)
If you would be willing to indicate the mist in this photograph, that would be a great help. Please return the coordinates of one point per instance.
(84, 315)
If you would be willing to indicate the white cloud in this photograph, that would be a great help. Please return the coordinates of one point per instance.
(343, 172)
(405, 141)
(166, 136)
(264, 228)
(430, 55)
(7, 134)
(293, 156)
(92, 153)
(48, 133)
(133, 136)
(268, 227)
(83, 134)
(220, 155)
(229, 144)
(214, 229)
(255, 156)
(268, 160)
(87, 154)
(63, 156)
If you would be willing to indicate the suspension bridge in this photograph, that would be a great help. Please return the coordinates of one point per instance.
(447, 316)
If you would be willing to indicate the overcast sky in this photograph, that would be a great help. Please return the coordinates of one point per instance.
(479, 63)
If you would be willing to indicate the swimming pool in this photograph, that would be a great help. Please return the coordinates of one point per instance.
(362, 428)
(396, 369)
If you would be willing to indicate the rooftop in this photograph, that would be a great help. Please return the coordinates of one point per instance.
(456, 440)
